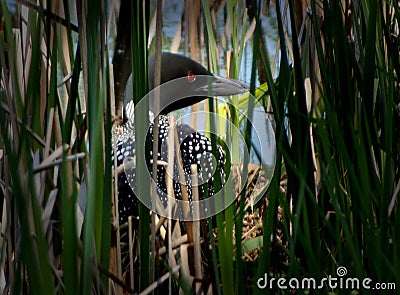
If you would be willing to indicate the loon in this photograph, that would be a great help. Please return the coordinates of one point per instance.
(195, 148)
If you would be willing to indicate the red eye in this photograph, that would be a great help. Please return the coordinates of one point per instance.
(191, 77)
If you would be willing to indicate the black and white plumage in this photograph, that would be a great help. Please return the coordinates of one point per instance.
(195, 148)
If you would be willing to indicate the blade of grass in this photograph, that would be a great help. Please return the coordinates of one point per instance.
(95, 118)
(140, 14)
